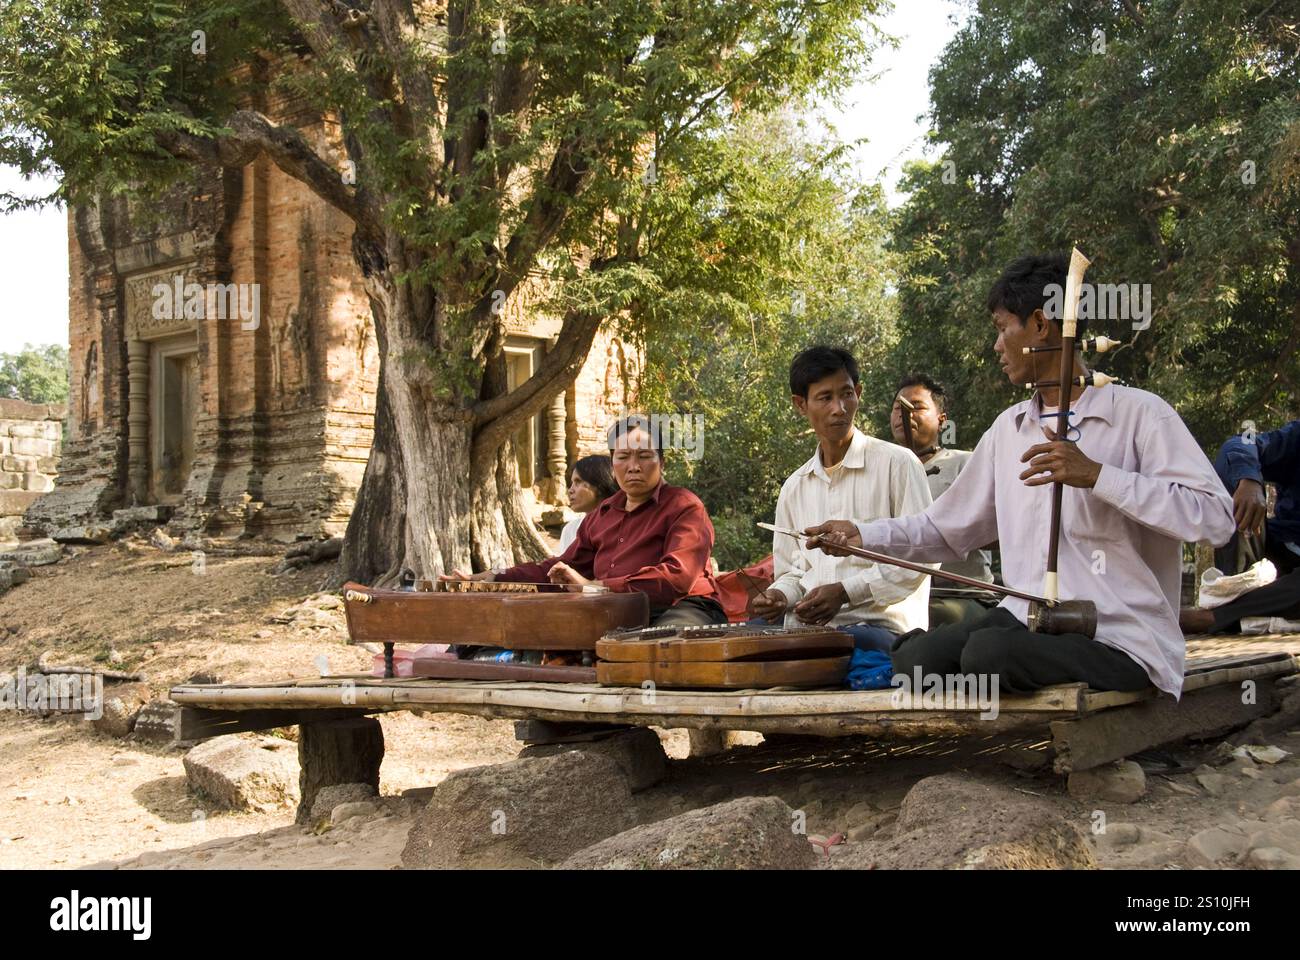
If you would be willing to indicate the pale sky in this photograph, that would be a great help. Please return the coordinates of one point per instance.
(884, 108)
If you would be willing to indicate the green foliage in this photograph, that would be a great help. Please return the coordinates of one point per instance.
(1168, 150)
(807, 267)
(88, 90)
(35, 374)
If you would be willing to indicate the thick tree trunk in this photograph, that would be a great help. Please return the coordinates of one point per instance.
(422, 505)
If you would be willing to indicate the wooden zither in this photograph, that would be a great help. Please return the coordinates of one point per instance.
(510, 618)
(724, 656)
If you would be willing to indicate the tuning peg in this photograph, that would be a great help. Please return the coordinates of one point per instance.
(1094, 379)
(1093, 344)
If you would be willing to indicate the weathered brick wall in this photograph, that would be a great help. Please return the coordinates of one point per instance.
(31, 435)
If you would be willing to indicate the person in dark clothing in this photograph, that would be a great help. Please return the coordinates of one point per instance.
(650, 536)
(1245, 463)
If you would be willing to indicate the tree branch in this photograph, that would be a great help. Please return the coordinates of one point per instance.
(1133, 12)
(460, 150)
(565, 179)
(399, 30)
(252, 134)
(503, 415)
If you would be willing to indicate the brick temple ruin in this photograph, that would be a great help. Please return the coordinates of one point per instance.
(230, 425)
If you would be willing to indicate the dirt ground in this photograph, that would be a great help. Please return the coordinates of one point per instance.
(72, 797)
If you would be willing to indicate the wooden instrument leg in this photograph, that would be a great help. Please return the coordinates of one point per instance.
(388, 661)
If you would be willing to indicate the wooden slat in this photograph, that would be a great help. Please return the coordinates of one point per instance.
(1203, 664)
(1251, 668)
(202, 723)
(842, 711)
(1122, 731)
(591, 699)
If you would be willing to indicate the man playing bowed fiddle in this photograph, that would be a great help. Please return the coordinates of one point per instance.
(1136, 486)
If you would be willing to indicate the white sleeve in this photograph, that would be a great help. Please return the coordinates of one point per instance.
(788, 561)
(1176, 491)
(963, 519)
(883, 584)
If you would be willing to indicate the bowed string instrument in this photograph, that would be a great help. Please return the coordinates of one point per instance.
(1048, 613)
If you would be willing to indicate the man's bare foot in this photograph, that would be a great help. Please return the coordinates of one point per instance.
(1195, 620)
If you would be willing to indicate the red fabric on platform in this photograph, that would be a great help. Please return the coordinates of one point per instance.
(737, 587)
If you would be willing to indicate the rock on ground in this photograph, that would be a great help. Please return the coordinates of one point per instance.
(12, 575)
(36, 553)
(530, 812)
(953, 821)
(1215, 784)
(752, 833)
(350, 811)
(1283, 836)
(255, 773)
(89, 533)
(1215, 847)
(156, 721)
(638, 752)
(327, 798)
(1272, 858)
(122, 703)
(1121, 782)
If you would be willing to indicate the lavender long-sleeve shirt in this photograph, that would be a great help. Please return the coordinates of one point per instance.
(1121, 541)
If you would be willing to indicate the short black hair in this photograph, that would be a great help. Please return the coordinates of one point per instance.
(1023, 287)
(598, 471)
(632, 423)
(817, 363)
(930, 383)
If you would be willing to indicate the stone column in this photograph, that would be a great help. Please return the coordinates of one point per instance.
(557, 454)
(137, 419)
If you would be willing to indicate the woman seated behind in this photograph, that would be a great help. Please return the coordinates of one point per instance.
(649, 536)
(590, 481)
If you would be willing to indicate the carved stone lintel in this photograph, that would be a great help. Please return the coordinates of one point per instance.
(143, 322)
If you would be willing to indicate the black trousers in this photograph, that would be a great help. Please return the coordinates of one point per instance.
(1281, 598)
(1021, 661)
(688, 612)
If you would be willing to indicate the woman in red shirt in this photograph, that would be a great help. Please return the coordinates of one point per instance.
(650, 536)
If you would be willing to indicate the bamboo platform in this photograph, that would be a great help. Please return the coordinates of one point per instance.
(1087, 726)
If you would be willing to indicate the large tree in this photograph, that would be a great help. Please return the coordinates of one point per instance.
(484, 143)
(1162, 137)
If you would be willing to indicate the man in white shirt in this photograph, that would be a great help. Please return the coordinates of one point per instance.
(1136, 486)
(849, 474)
(928, 420)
